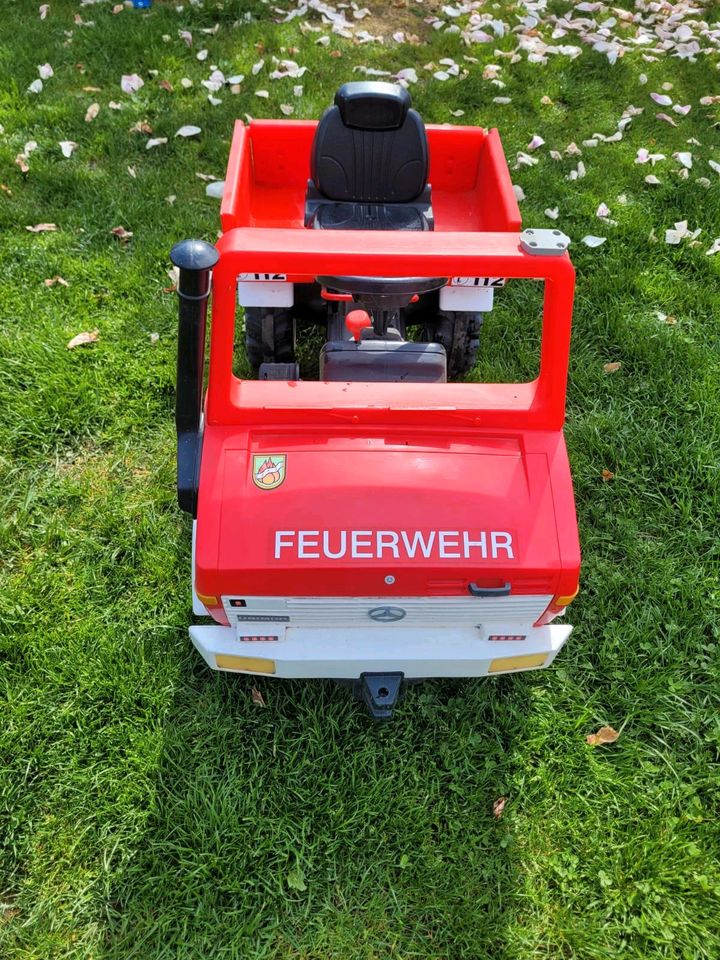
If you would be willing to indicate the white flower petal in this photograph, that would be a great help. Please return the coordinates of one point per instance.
(130, 82)
(155, 142)
(67, 147)
(188, 131)
(36, 86)
(591, 241)
(661, 99)
(553, 213)
(45, 71)
(685, 158)
(651, 179)
(537, 141)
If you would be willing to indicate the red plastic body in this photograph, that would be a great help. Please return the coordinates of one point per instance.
(450, 458)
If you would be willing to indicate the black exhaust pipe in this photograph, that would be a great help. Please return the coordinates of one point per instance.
(194, 260)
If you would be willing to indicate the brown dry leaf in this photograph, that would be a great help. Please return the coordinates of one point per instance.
(166, 85)
(612, 367)
(142, 126)
(92, 111)
(21, 161)
(498, 807)
(336, 54)
(6, 189)
(42, 228)
(121, 233)
(206, 177)
(92, 89)
(604, 735)
(118, 8)
(670, 320)
(607, 475)
(257, 698)
(87, 336)
(51, 281)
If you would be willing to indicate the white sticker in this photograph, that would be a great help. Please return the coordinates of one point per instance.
(261, 277)
(477, 281)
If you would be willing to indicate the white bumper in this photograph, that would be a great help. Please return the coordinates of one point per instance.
(345, 653)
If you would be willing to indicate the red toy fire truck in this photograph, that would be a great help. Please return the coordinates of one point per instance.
(380, 523)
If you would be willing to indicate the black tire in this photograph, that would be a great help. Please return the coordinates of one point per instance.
(459, 333)
(269, 335)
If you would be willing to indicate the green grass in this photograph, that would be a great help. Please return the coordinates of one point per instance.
(148, 809)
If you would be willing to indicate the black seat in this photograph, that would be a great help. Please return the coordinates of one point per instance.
(369, 163)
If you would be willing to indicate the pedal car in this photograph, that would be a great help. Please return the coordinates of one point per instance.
(380, 523)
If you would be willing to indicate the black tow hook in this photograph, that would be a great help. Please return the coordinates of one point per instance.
(380, 692)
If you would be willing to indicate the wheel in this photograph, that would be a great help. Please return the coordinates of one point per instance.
(269, 335)
(459, 333)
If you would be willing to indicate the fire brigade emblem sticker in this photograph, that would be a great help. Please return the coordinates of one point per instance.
(269, 470)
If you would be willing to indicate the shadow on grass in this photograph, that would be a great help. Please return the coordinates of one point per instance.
(305, 829)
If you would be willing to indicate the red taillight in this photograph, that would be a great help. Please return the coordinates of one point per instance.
(555, 608)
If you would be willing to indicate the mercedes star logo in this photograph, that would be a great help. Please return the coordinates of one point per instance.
(386, 614)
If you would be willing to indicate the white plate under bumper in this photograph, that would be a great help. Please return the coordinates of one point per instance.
(346, 653)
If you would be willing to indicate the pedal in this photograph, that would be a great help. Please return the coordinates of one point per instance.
(279, 371)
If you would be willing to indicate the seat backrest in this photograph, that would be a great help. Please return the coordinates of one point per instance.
(370, 146)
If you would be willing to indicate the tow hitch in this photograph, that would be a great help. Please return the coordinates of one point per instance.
(380, 692)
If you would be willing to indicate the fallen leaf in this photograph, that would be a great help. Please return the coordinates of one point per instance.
(188, 131)
(498, 807)
(42, 228)
(87, 336)
(257, 698)
(607, 475)
(612, 367)
(604, 735)
(121, 233)
(92, 111)
(52, 281)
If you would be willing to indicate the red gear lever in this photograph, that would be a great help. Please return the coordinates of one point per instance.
(357, 321)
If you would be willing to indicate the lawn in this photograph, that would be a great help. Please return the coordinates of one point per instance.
(150, 808)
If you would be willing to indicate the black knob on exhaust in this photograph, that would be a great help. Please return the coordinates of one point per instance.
(194, 260)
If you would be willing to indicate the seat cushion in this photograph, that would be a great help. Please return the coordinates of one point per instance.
(363, 216)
